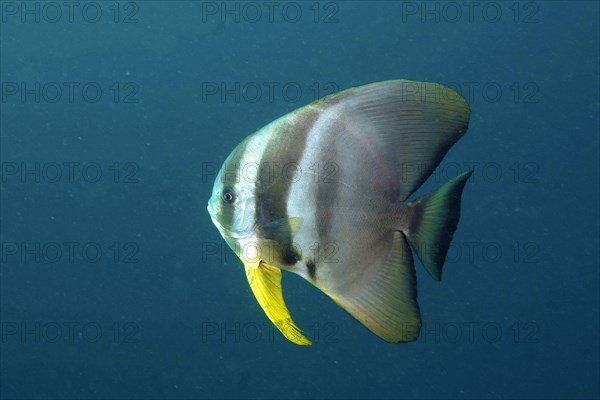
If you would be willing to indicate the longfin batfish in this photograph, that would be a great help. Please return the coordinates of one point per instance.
(322, 192)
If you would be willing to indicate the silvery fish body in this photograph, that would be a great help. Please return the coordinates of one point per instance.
(322, 192)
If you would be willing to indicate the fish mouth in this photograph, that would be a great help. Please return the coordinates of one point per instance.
(213, 216)
(211, 210)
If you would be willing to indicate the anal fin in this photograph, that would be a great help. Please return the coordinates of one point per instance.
(385, 299)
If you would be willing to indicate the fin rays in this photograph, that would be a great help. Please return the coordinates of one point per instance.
(265, 282)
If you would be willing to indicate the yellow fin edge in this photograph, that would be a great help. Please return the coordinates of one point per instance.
(265, 282)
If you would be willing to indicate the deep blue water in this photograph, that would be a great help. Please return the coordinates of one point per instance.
(114, 117)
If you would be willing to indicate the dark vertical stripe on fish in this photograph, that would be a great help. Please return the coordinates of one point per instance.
(277, 169)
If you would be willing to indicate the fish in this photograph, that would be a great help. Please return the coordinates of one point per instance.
(323, 192)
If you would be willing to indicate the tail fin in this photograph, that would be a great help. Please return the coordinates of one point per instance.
(432, 220)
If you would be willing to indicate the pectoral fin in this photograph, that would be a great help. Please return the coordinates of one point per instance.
(265, 282)
(281, 228)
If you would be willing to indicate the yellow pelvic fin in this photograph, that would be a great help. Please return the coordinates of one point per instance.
(265, 282)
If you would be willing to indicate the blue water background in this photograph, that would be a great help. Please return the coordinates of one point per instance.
(165, 311)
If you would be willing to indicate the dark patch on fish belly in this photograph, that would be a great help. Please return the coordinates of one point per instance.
(290, 255)
(312, 269)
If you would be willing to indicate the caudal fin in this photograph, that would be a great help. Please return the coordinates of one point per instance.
(432, 221)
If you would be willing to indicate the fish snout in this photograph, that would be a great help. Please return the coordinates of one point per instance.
(211, 209)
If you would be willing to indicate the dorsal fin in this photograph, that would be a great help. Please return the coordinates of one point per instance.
(414, 123)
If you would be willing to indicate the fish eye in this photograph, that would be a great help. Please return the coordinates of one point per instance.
(228, 196)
